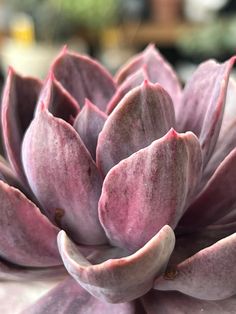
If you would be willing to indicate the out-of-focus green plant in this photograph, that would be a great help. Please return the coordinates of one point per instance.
(213, 39)
(90, 13)
(50, 24)
(58, 19)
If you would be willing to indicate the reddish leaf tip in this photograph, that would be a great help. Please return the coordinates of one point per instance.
(172, 133)
(88, 103)
(90, 106)
(42, 107)
(51, 76)
(64, 50)
(11, 70)
(150, 47)
(145, 83)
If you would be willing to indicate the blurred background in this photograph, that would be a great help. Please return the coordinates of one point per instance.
(32, 32)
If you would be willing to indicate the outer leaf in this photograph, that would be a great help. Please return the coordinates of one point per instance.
(27, 237)
(209, 275)
(149, 189)
(11, 272)
(57, 100)
(230, 108)
(84, 78)
(69, 297)
(124, 279)
(218, 197)
(89, 124)
(52, 149)
(144, 115)
(205, 95)
(226, 141)
(158, 71)
(224, 147)
(18, 104)
(178, 303)
(188, 244)
(16, 296)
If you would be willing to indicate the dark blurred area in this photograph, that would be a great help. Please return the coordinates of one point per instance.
(186, 31)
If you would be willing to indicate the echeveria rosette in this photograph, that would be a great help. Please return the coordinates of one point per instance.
(117, 194)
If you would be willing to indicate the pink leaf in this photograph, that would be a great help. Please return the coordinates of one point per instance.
(64, 177)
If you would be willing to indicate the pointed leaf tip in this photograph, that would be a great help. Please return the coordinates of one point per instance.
(57, 100)
(10, 70)
(90, 106)
(172, 133)
(145, 83)
(145, 114)
(64, 51)
(131, 82)
(150, 46)
(87, 78)
(158, 70)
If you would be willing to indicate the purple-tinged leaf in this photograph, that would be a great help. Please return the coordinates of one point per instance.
(124, 279)
(209, 274)
(93, 253)
(145, 114)
(2, 149)
(227, 219)
(69, 297)
(230, 108)
(226, 141)
(158, 71)
(188, 244)
(218, 197)
(52, 149)
(223, 148)
(16, 296)
(18, 104)
(132, 81)
(205, 95)
(12, 272)
(157, 302)
(7, 175)
(2, 153)
(57, 100)
(149, 189)
(89, 124)
(26, 236)
(84, 78)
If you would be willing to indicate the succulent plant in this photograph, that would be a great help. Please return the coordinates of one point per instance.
(118, 195)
